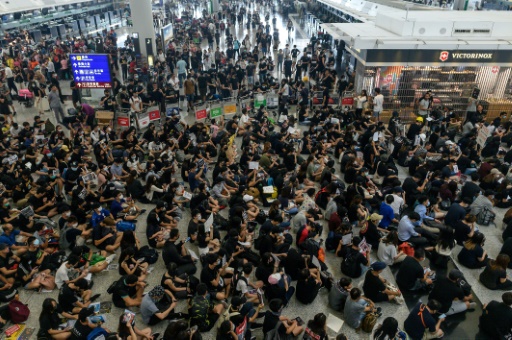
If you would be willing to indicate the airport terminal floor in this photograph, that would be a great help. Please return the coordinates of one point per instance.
(459, 326)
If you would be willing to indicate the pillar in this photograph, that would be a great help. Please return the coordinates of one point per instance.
(142, 17)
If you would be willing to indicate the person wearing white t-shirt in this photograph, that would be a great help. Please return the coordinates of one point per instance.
(135, 103)
(62, 274)
(245, 120)
(398, 201)
(378, 104)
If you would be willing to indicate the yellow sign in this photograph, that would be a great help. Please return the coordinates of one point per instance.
(229, 109)
(231, 139)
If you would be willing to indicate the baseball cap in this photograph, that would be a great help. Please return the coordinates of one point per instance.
(419, 119)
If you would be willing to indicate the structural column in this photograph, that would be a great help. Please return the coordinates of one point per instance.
(142, 17)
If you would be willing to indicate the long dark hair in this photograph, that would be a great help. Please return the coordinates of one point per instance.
(388, 329)
(48, 307)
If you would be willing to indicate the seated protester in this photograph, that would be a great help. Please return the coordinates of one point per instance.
(83, 327)
(50, 321)
(127, 292)
(293, 263)
(449, 293)
(127, 211)
(317, 328)
(308, 285)
(128, 330)
(288, 327)
(371, 230)
(507, 249)
(105, 235)
(177, 253)
(357, 307)
(494, 276)
(411, 275)
(483, 201)
(155, 223)
(354, 263)
(457, 212)
(158, 305)
(388, 250)
(388, 330)
(128, 264)
(244, 286)
(94, 262)
(181, 286)
(268, 266)
(442, 251)
(62, 274)
(9, 237)
(339, 293)
(32, 277)
(99, 214)
(241, 315)
(75, 296)
(421, 323)
(408, 232)
(73, 234)
(216, 277)
(387, 212)
(374, 286)
(473, 255)
(202, 311)
(275, 242)
(279, 288)
(496, 319)
(464, 228)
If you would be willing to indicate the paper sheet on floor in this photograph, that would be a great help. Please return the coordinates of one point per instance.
(334, 323)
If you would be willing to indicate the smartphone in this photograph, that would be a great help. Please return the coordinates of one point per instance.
(187, 239)
(300, 322)
(442, 316)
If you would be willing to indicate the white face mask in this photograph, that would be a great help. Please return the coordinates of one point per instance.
(121, 197)
(74, 225)
(67, 214)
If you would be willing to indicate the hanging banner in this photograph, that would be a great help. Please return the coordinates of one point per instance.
(143, 120)
(123, 121)
(229, 108)
(259, 100)
(201, 114)
(215, 112)
(154, 115)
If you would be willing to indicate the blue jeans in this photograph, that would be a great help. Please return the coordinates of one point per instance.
(469, 171)
(181, 77)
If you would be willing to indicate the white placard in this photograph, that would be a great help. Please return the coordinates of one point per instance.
(253, 165)
(187, 195)
(346, 239)
(334, 323)
(291, 130)
(268, 189)
(208, 224)
(193, 254)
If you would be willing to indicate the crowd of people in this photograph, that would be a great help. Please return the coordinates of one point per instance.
(238, 210)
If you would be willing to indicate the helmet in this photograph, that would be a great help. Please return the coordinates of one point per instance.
(419, 119)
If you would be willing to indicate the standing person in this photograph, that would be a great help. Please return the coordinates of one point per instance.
(55, 104)
(75, 94)
(182, 70)
(9, 75)
(378, 104)
(190, 89)
(280, 59)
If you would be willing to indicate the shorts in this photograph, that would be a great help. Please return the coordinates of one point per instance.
(376, 113)
(190, 98)
(202, 91)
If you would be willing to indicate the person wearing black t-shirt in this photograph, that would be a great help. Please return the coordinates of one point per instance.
(127, 292)
(49, 321)
(496, 319)
(308, 285)
(449, 293)
(353, 260)
(411, 275)
(74, 296)
(124, 98)
(107, 101)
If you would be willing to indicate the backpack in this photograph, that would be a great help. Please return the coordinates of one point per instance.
(150, 255)
(485, 217)
(19, 311)
(349, 265)
(238, 275)
(125, 225)
(369, 322)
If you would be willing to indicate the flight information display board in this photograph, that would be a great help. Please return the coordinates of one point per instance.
(91, 71)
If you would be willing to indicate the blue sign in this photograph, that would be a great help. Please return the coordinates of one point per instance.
(91, 71)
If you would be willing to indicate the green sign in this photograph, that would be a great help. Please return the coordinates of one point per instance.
(258, 101)
(215, 112)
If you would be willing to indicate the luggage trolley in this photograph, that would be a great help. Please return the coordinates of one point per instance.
(317, 98)
(247, 103)
(123, 120)
(347, 100)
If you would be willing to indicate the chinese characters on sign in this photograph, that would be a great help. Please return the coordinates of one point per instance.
(91, 71)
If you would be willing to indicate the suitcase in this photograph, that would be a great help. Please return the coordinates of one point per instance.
(25, 94)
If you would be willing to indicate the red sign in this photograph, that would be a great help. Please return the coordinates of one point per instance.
(154, 115)
(201, 114)
(444, 56)
(123, 121)
(495, 69)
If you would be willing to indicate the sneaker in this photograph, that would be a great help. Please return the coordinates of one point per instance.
(143, 211)
(155, 335)
(110, 258)
(95, 297)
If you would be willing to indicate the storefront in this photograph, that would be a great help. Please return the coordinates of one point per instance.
(453, 76)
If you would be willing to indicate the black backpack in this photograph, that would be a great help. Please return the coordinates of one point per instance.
(349, 265)
(237, 276)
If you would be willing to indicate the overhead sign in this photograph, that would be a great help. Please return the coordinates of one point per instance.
(91, 71)
(439, 57)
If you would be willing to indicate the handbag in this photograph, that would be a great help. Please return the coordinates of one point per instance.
(399, 299)
(378, 179)
(485, 217)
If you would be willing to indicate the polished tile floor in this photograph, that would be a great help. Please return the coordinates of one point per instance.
(463, 326)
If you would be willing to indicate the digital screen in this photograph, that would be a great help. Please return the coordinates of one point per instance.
(91, 71)
(167, 32)
(62, 31)
(75, 26)
(54, 32)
